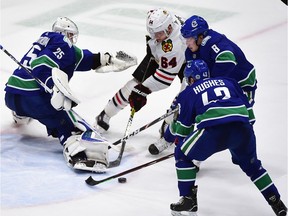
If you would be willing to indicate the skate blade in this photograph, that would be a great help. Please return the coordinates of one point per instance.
(183, 213)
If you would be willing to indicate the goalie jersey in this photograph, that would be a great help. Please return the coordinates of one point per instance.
(211, 102)
(50, 50)
(225, 59)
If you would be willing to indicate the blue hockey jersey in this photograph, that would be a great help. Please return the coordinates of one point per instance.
(211, 102)
(225, 59)
(50, 50)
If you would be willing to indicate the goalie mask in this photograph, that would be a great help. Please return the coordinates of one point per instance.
(159, 20)
(67, 27)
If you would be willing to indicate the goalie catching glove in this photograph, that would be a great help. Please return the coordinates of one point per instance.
(137, 98)
(86, 152)
(120, 62)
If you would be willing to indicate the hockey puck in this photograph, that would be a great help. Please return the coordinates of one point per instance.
(122, 180)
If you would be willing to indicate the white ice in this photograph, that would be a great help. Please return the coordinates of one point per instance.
(34, 177)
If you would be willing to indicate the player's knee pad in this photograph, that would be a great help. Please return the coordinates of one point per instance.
(178, 154)
(120, 99)
(184, 163)
(71, 148)
(251, 167)
(127, 89)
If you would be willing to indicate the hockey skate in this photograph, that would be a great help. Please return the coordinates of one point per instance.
(20, 120)
(278, 207)
(159, 146)
(102, 122)
(187, 205)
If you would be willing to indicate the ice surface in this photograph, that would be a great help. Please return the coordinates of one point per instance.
(34, 177)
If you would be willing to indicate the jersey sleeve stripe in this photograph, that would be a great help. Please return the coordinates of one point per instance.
(118, 99)
(43, 60)
(163, 77)
(226, 57)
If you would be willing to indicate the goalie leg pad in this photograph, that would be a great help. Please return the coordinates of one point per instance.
(95, 148)
(86, 152)
(71, 148)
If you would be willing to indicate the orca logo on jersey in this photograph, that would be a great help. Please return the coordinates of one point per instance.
(167, 46)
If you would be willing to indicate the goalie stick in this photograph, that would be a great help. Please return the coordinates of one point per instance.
(26, 69)
(73, 114)
(90, 181)
(119, 158)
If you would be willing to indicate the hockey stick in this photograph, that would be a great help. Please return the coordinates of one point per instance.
(73, 114)
(119, 158)
(146, 126)
(90, 181)
(26, 69)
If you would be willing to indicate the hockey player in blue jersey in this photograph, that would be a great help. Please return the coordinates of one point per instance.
(221, 113)
(55, 54)
(223, 57)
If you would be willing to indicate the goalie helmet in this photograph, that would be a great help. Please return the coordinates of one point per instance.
(194, 26)
(66, 27)
(159, 20)
(197, 70)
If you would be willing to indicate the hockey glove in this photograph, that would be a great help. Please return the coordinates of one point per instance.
(137, 98)
(121, 62)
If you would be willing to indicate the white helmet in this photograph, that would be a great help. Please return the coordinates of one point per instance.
(66, 27)
(159, 20)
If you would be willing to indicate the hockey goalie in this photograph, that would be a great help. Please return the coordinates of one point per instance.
(39, 90)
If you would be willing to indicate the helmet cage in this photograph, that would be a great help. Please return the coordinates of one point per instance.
(67, 27)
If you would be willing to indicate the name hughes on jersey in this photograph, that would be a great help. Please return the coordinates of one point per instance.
(207, 84)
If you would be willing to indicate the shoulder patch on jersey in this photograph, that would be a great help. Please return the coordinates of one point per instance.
(43, 41)
(204, 41)
(167, 46)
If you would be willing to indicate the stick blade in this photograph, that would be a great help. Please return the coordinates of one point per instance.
(90, 181)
